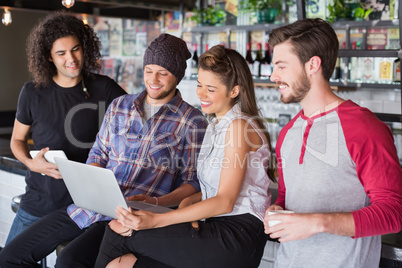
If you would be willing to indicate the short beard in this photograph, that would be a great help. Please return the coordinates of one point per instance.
(300, 90)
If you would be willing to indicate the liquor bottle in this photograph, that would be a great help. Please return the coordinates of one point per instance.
(194, 63)
(344, 67)
(249, 58)
(355, 67)
(266, 69)
(337, 71)
(368, 69)
(385, 74)
(257, 62)
(360, 64)
(397, 70)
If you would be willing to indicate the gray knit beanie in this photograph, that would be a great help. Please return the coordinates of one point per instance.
(170, 53)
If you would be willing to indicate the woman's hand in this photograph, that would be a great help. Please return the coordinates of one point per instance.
(137, 220)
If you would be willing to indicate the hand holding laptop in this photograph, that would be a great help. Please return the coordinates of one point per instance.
(96, 189)
(137, 220)
(43, 162)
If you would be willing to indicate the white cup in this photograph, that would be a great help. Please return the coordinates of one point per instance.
(272, 223)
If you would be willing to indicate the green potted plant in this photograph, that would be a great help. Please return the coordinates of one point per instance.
(341, 10)
(264, 10)
(212, 15)
(338, 11)
(360, 13)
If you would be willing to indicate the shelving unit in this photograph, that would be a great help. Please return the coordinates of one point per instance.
(344, 53)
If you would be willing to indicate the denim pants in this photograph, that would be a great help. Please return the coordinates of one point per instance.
(21, 221)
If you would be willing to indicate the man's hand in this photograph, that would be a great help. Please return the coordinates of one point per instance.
(40, 165)
(192, 199)
(294, 226)
(143, 198)
(298, 226)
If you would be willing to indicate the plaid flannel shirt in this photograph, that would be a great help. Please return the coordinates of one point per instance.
(153, 158)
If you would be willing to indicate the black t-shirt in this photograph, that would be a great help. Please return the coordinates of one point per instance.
(61, 119)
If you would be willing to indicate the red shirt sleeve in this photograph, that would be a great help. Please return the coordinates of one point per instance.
(371, 146)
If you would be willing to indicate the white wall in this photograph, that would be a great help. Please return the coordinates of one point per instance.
(12, 185)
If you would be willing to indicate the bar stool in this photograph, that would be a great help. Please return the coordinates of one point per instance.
(15, 204)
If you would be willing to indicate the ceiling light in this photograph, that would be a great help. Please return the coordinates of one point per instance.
(84, 19)
(6, 20)
(68, 3)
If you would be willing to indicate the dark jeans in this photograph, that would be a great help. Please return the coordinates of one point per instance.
(21, 221)
(42, 237)
(232, 241)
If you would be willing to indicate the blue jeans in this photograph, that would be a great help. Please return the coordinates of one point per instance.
(21, 221)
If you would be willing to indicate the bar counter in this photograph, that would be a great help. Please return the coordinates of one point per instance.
(391, 254)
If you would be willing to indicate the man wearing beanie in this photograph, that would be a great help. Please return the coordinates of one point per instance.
(150, 141)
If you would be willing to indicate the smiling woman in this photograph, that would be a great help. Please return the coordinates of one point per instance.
(233, 162)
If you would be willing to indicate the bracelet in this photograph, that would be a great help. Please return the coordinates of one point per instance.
(156, 200)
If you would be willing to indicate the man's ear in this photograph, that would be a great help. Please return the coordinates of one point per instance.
(313, 65)
(235, 92)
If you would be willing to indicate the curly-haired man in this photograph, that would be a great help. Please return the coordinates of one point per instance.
(149, 140)
(63, 107)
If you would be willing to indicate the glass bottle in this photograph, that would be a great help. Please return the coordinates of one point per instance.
(194, 63)
(368, 69)
(396, 77)
(266, 68)
(257, 62)
(249, 58)
(385, 74)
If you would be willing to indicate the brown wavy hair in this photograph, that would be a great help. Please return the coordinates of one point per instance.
(40, 41)
(232, 69)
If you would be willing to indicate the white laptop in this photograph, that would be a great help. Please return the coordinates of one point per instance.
(49, 155)
(96, 189)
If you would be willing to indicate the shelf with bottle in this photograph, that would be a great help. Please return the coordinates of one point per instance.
(367, 68)
(369, 59)
(365, 23)
(369, 53)
(226, 28)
